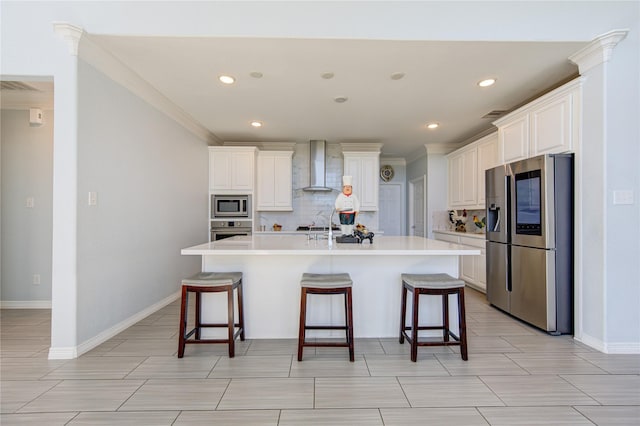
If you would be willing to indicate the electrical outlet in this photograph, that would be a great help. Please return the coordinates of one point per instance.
(36, 279)
(623, 196)
(93, 198)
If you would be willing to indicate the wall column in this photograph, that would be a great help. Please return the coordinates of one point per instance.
(591, 315)
(64, 291)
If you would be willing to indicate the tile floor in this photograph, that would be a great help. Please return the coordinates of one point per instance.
(516, 375)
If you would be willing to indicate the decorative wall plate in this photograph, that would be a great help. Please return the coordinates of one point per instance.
(386, 173)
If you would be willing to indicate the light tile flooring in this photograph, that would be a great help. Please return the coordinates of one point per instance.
(516, 375)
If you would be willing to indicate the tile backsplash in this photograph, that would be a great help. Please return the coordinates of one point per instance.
(313, 207)
(441, 220)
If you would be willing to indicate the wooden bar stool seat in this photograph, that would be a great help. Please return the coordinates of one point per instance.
(326, 284)
(439, 285)
(211, 282)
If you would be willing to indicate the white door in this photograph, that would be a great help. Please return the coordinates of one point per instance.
(391, 213)
(416, 206)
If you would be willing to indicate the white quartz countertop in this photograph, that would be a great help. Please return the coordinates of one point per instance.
(291, 245)
(478, 235)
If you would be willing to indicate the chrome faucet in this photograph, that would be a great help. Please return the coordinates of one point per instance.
(330, 236)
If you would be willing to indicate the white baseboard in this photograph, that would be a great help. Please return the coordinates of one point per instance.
(623, 348)
(591, 341)
(25, 304)
(610, 348)
(86, 346)
(63, 353)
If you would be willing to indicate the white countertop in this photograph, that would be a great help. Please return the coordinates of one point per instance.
(479, 235)
(289, 245)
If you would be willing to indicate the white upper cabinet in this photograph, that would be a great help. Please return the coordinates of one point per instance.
(553, 124)
(487, 159)
(548, 125)
(466, 172)
(514, 139)
(231, 169)
(364, 166)
(274, 181)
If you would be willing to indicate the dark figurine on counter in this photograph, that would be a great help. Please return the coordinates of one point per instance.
(347, 205)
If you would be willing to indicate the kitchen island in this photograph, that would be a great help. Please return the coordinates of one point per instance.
(272, 266)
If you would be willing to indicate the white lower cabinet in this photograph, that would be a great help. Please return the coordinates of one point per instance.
(472, 268)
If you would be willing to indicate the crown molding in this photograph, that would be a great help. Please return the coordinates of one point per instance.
(393, 161)
(90, 50)
(598, 51)
(71, 34)
(361, 147)
(439, 149)
(265, 146)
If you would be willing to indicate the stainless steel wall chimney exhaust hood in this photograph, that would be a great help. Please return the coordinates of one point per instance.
(317, 167)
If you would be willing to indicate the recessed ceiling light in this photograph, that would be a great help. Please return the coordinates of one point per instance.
(432, 126)
(256, 124)
(486, 83)
(256, 74)
(327, 75)
(340, 99)
(227, 79)
(397, 75)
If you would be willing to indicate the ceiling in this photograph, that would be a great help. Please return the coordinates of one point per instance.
(295, 103)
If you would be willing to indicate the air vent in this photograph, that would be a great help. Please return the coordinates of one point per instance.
(16, 85)
(495, 113)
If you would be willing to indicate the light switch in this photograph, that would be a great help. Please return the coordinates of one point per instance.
(93, 198)
(30, 203)
(623, 196)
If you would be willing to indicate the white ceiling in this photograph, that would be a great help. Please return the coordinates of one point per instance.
(296, 104)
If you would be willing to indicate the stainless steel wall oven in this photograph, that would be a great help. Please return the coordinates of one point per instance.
(221, 229)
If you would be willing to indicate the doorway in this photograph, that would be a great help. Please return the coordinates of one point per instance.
(392, 209)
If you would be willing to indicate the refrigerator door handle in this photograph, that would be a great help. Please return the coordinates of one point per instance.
(509, 273)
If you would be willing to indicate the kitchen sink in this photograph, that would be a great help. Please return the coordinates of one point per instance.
(316, 228)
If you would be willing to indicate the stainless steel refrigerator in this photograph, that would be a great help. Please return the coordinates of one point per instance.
(530, 212)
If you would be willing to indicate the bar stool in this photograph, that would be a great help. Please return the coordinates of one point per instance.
(433, 284)
(211, 282)
(326, 284)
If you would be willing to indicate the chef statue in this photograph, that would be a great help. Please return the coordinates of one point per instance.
(347, 205)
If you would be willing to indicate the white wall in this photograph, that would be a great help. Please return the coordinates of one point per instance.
(27, 163)
(622, 173)
(29, 48)
(151, 178)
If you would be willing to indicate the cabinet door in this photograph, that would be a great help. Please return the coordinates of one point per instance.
(469, 178)
(551, 126)
(282, 198)
(219, 170)
(364, 168)
(265, 182)
(455, 180)
(242, 167)
(274, 181)
(487, 159)
(370, 182)
(481, 270)
(467, 268)
(514, 139)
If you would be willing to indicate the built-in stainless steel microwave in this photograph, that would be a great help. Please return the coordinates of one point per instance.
(226, 206)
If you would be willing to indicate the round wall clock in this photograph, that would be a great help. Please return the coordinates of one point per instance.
(386, 173)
